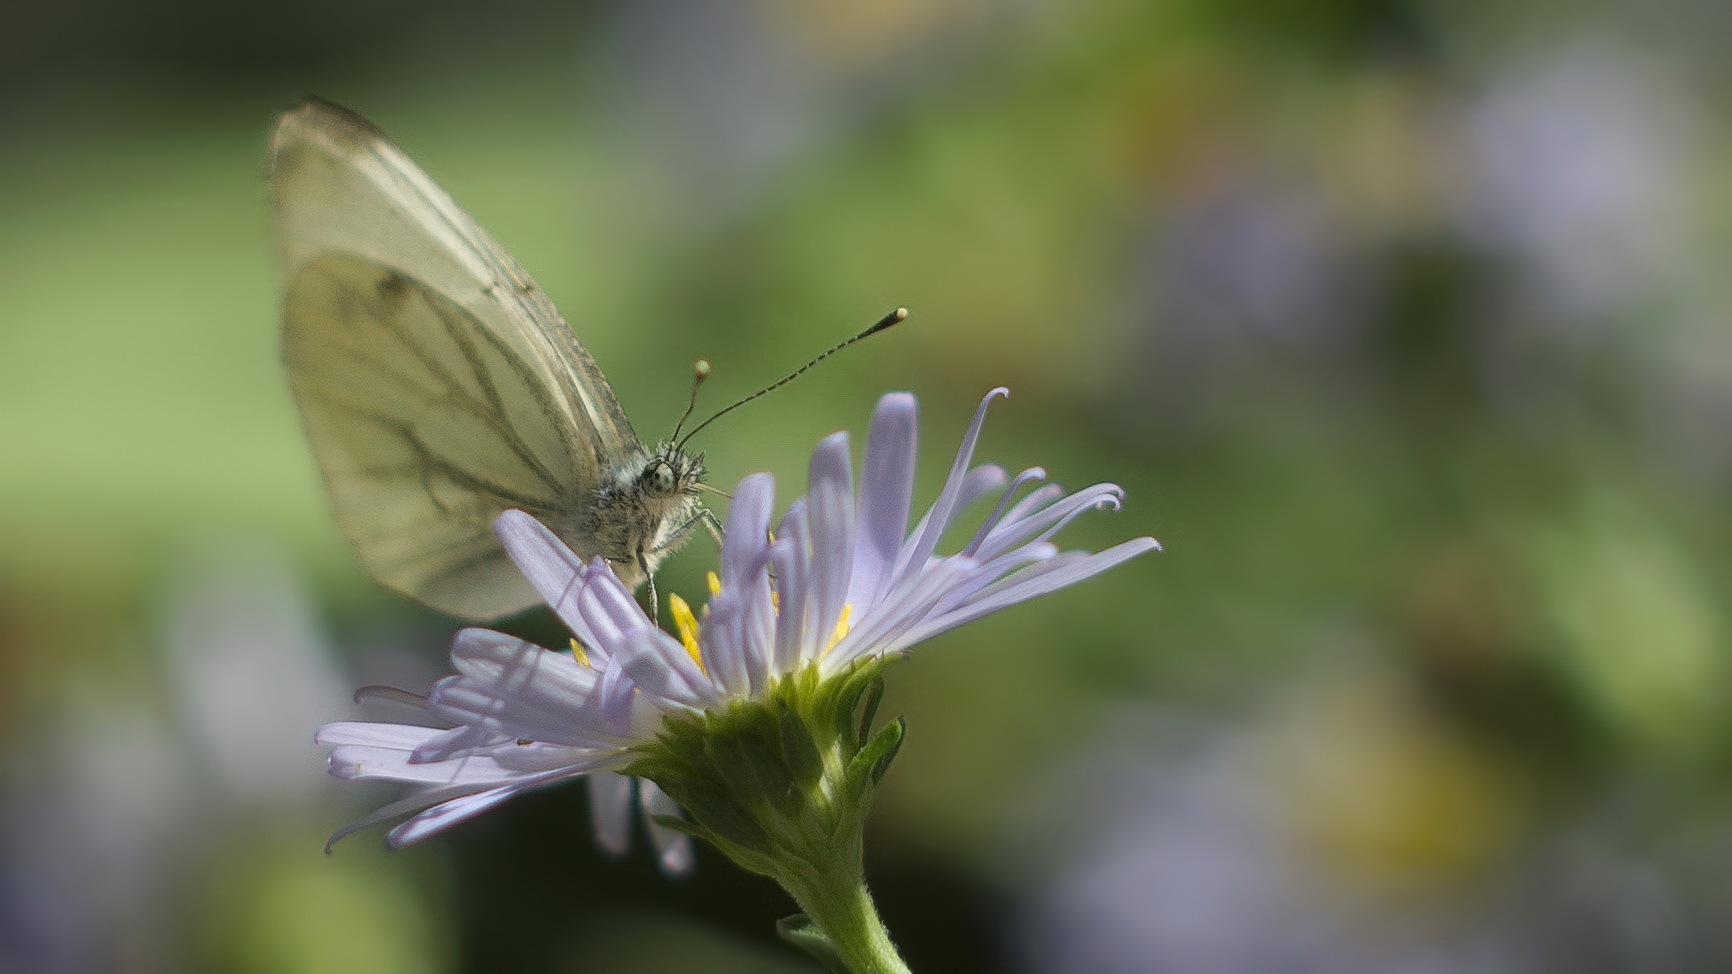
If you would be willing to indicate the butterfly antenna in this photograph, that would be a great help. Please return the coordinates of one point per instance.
(893, 318)
(700, 372)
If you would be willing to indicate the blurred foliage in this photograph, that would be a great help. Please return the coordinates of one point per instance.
(1402, 324)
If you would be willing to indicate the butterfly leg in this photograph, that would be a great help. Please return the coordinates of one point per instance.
(703, 518)
(649, 582)
(679, 536)
(713, 525)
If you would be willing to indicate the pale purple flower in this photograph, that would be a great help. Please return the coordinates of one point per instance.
(840, 579)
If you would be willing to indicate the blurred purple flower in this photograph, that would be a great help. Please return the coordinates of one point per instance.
(1344, 829)
(1580, 170)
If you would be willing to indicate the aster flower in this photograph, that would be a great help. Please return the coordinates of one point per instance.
(756, 720)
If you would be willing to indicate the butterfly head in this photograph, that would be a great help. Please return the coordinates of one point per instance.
(671, 472)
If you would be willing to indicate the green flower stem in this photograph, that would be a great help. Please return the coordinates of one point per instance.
(842, 908)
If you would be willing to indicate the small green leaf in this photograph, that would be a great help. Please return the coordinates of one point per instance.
(800, 931)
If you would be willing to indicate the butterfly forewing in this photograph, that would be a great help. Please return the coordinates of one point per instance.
(437, 384)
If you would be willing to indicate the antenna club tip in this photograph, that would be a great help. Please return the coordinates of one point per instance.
(896, 317)
(701, 369)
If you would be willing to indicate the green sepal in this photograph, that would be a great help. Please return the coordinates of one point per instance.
(800, 931)
(799, 752)
(743, 856)
(874, 759)
(745, 745)
(880, 766)
(869, 710)
(678, 824)
(716, 807)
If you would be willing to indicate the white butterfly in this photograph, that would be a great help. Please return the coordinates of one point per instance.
(439, 386)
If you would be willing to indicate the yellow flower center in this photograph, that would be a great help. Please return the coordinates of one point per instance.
(841, 627)
(687, 623)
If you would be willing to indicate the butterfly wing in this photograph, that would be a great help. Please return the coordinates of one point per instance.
(437, 384)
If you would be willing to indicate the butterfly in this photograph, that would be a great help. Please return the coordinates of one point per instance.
(438, 385)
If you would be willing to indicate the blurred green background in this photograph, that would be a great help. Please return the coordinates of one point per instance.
(1404, 324)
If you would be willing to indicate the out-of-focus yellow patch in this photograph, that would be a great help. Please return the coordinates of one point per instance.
(1390, 796)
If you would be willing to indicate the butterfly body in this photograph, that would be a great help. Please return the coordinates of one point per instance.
(439, 387)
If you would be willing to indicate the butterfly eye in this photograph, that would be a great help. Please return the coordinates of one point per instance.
(658, 477)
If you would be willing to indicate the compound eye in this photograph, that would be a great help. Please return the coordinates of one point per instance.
(659, 477)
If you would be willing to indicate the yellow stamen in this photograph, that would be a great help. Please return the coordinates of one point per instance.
(841, 627)
(715, 585)
(688, 627)
(578, 654)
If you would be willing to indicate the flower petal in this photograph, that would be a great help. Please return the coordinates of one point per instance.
(1047, 522)
(403, 737)
(610, 811)
(514, 688)
(443, 816)
(673, 847)
(402, 806)
(926, 540)
(903, 608)
(979, 482)
(747, 536)
(791, 555)
(724, 646)
(992, 520)
(886, 495)
(550, 567)
(830, 513)
(354, 762)
(1030, 583)
(658, 665)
